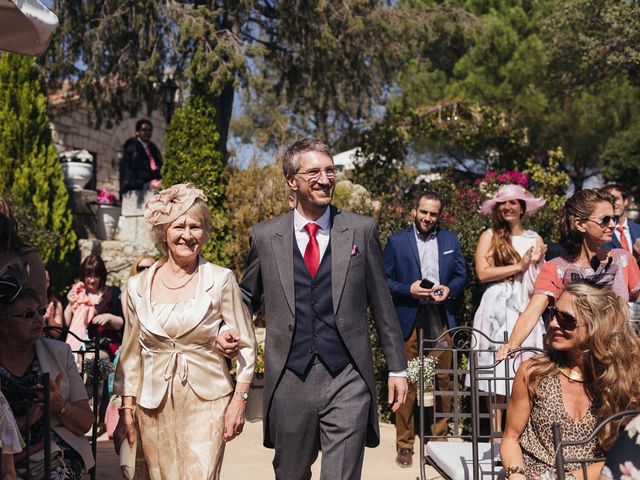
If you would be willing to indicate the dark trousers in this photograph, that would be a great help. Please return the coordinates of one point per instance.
(320, 412)
(432, 319)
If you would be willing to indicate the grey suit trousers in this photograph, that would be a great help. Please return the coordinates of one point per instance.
(320, 412)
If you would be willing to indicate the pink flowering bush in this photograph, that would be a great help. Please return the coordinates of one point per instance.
(107, 197)
(493, 180)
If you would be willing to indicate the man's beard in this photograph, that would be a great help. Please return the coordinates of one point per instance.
(428, 232)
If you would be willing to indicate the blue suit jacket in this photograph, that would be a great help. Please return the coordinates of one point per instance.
(634, 231)
(402, 263)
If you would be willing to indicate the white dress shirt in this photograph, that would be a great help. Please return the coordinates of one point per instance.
(323, 234)
(428, 250)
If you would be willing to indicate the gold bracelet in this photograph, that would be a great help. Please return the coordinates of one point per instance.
(514, 470)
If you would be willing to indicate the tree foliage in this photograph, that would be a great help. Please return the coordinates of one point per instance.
(191, 156)
(29, 165)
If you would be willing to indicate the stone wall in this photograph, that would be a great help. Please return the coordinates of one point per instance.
(71, 131)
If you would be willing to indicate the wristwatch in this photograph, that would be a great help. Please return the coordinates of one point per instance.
(65, 408)
(243, 395)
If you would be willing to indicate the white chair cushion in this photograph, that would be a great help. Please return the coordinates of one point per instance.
(455, 459)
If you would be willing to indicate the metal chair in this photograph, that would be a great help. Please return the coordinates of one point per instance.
(91, 371)
(559, 444)
(454, 460)
(498, 372)
(29, 395)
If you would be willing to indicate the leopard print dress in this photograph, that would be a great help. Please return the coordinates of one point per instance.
(537, 439)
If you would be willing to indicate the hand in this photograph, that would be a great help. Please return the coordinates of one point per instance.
(439, 293)
(418, 292)
(56, 400)
(102, 319)
(503, 351)
(126, 428)
(539, 250)
(397, 391)
(526, 260)
(234, 418)
(227, 343)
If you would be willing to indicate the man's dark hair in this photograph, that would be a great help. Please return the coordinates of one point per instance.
(141, 122)
(621, 187)
(429, 195)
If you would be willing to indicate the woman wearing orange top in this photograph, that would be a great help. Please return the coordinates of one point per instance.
(586, 224)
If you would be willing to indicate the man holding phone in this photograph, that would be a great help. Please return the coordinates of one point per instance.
(425, 272)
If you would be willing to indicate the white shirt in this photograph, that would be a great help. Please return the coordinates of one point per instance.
(323, 234)
(428, 251)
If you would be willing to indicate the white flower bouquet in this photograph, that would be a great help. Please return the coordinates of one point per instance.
(413, 370)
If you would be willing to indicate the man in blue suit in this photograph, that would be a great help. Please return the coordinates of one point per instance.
(627, 232)
(424, 254)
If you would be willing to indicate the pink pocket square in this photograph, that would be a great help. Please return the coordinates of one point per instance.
(354, 250)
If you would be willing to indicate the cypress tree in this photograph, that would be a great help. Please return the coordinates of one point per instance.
(191, 156)
(29, 166)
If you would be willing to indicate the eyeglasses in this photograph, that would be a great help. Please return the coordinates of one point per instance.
(31, 314)
(605, 221)
(313, 174)
(565, 320)
(142, 268)
(146, 129)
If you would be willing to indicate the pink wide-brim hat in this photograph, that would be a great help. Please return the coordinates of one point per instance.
(513, 192)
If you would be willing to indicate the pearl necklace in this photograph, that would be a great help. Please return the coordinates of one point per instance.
(572, 375)
(179, 287)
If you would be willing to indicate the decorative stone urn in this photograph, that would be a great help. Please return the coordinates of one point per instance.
(107, 221)
(77, 168)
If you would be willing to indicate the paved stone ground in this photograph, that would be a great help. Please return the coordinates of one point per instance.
(246, 458)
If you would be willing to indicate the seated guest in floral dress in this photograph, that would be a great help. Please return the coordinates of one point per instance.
(590, 371)
(24, 357)
(623, 460)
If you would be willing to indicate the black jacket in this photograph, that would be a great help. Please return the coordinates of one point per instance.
(135, 170)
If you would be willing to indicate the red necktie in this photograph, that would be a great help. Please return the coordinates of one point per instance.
(623, 238)
(312, 252)
(152, 162)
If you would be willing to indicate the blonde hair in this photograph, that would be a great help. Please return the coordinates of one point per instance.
(199, 209)
(134, 266)
(610, 348)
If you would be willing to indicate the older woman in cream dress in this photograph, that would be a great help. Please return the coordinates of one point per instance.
(179, 401)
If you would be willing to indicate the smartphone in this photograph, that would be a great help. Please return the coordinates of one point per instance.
(426, 283)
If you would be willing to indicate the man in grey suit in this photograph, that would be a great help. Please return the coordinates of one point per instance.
(319, 269)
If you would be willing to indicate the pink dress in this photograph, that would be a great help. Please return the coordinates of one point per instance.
(623, 273)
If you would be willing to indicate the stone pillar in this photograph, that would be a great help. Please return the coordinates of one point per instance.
(132, 226)
(83, 206)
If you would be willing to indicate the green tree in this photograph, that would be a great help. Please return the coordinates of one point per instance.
(29, 165)
(191, 156)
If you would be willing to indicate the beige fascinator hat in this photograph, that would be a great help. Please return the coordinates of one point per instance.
(513, 192)
(167, 205)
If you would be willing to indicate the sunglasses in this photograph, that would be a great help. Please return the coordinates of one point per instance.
(142, 268)
(565, 320)
(605, 221)
(31, 314)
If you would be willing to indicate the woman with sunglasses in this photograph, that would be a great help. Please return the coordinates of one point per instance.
(24, 357)
(141, 263)
(586, 225)
(590, 371)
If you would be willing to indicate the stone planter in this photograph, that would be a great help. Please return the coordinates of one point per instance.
(76, 174)
(107, 221)
(253, 412)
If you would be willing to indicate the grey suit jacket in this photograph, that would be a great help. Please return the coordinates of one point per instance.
(358, 281)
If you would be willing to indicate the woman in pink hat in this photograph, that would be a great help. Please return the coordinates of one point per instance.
(508, 259)
(586, 226)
